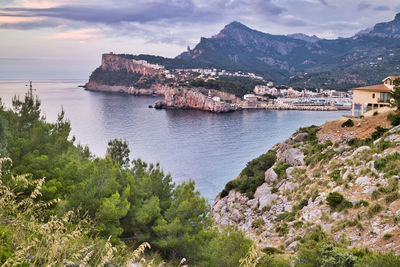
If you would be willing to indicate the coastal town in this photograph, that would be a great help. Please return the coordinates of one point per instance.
(266, 95)
(214, 90)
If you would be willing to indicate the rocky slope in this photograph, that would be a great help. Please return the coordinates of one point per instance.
(348, 188)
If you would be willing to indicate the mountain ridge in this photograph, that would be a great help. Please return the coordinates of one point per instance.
(302, 60)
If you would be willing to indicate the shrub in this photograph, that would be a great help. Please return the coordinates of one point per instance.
(282, 229)
(387, 235)
(379, 131)
(335, 175)
(379, 260)
(325, 255)
(392, 197)
(375, 113)
(381, 163)
(374, 209)
(272, 261)
(302, 204)
(271, 251)
(360, 203)
(348, 123)
(334, 199)
(274, 190)
(286, 216)
(394, 118)
(252, 176)
(257, 223)
(280, 169)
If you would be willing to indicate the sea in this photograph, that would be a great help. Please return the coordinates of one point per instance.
(210, 149)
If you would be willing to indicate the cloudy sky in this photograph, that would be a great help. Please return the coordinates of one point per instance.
(65, 38)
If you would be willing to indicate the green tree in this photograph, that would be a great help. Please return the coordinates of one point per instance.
(118, 150)
(395, 93)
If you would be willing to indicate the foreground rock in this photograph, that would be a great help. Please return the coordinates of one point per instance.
(293, 201)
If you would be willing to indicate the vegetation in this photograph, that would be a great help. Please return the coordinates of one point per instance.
(122, 77)
(348, 123)
(252, 176)
(395, 93)
(238, 86)
(394, 118)
(336, 201)
(97, 209)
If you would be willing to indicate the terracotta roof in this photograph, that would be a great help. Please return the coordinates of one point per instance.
(392, 77)
(374, 88)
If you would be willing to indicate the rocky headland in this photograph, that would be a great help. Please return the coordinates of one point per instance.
(177, 98)
(343, 181)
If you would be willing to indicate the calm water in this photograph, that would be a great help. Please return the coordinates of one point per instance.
(210, 149)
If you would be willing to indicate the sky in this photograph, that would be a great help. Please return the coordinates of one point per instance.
(65, 38)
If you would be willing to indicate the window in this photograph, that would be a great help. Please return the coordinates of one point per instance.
(373, 95)
(384, 97)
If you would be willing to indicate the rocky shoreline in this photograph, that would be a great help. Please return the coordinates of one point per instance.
(196, 98)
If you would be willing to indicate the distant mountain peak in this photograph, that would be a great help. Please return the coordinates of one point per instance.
(390, 28)
(236, 24)
(305, 37)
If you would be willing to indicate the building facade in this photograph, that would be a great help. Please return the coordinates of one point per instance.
(374, 96)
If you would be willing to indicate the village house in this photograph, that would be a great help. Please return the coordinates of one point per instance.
(374, 96)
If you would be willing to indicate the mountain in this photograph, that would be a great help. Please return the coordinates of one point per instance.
(391, 28)
(304, 61)
(305, 37)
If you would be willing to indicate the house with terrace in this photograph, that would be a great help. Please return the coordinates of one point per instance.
(374, 96)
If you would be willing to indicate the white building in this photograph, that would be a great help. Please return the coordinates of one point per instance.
(216, 99)
(250, 97)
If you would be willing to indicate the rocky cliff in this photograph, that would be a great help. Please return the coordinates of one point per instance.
(348, 188)
(176, 98)
(154, 89)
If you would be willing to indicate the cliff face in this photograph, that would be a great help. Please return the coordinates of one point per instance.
(193, 99)
(349, 189)
(116, 63)
(155, 89)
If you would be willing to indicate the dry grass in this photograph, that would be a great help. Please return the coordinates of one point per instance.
(333, 130)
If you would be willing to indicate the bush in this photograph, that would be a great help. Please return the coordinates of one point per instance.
(335, 175)
(360, 203)
(387, 236)
(334, 199)
(280, 169)
(375, 113)
(394, 118)
(325, 255)
(379, 131)
(257, 223)
(271, 251)
(348, 123)
(273, 261)
(379, 260)
(392, 197)
(252, 176)
(374, 209)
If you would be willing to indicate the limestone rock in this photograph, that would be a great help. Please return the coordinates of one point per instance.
(360, 149)
(270, 176)
(363, 181)
(294, 156)
(264, 196)
(289, 173)
(300, 137)
(394, 129)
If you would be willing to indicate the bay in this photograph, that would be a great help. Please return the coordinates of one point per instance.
(210, 149)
